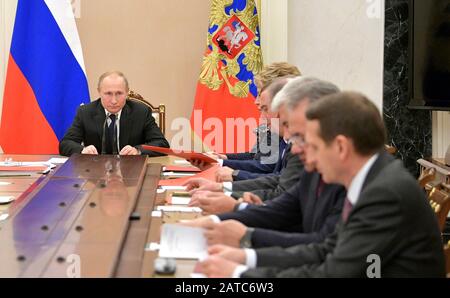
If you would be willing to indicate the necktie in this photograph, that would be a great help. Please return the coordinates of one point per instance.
(346, 210)
(320, 187)
(111, 141)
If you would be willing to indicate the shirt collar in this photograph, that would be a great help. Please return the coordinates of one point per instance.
(356, 185)
(117, 114)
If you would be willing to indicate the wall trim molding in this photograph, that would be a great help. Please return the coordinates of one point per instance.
(441, 133)
(274, 28)
(7, 16)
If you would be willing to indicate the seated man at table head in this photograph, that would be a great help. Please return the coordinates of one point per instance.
(112, 124)
(387, 228)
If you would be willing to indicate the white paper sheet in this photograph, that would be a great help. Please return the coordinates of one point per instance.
(58, 160)
(171, 208)
(11, 163)
(173, 187)
(178, 174)
(180, 200)
(198, 275)
(182, 242)
(6, 199)
(156, 214)
(152, 246)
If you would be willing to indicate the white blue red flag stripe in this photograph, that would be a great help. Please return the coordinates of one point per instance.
(45, 80)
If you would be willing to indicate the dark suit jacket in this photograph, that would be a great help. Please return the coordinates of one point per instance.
(391, 219)
(269, 187)
(254, 168)
(298, 216)
(137, 127)
(241, 156)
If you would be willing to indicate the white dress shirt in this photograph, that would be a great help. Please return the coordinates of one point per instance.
(108, 121)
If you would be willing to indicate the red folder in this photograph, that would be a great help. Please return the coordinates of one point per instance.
(183, 154)
(209, 174)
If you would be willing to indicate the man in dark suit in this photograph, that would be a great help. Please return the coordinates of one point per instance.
(264, 136)
(112, 124)
(306, 213)
(387, 228)
(271, 186)
(268, 186)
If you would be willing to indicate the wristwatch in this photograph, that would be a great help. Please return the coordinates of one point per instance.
(246, 240)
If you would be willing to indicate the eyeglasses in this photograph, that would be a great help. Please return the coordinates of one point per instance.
(297, 140)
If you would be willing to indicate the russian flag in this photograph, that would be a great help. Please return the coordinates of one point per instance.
(45, 80)
(226, 90)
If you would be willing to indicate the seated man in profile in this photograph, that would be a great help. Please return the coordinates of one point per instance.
(306, 213)
(250, 165)
(214, 197)
(112, 124)
(386, 220)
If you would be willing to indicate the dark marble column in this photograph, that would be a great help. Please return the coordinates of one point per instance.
(408, 130)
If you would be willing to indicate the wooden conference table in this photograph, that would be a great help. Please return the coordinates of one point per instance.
(89, 217)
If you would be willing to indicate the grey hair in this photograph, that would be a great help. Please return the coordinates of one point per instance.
(305, 88)
(279, 99)
(111, 73)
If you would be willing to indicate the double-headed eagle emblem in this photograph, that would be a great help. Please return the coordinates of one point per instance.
(233, 44)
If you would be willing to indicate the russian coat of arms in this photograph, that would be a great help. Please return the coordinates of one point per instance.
(233, 37)
(234, 52)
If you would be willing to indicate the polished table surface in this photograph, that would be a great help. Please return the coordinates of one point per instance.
(83, 209)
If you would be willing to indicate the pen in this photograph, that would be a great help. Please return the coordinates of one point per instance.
(14, 175)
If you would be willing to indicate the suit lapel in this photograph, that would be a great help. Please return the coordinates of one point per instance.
(382, 160)
(125, 126)
(313, 198)
(99, 119)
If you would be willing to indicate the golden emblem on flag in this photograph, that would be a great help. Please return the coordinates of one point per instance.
(233, 47)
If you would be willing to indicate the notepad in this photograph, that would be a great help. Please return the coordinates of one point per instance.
(182, 242)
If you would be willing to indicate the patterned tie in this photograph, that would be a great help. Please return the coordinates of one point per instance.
(111, 142)
(346, 210)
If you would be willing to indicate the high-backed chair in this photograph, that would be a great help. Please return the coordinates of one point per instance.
(159, 113)
(447, 258)
(390, 149)
(427, 176)
(439, 198)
